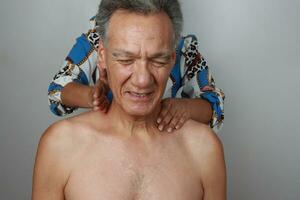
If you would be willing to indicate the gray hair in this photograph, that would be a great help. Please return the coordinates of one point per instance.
(170, 7)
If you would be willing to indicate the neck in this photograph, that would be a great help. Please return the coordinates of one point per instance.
(133, 125)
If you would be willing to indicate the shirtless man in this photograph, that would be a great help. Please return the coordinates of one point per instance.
(125, 157)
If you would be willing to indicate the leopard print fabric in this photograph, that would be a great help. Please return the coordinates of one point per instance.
(93, 37)
(193, 60)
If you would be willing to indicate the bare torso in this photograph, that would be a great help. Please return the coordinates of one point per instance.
(113, 167)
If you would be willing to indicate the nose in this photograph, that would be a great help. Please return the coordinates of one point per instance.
(142, 76)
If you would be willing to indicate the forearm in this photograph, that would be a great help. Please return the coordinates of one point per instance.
(77, 95)
(200, 110)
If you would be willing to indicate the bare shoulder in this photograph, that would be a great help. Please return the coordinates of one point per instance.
(206, 150)
(57, 137)
(203, 145)
(201, 138)
(58, 149)
(68, 136)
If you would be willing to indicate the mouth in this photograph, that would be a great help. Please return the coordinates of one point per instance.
(140, 96)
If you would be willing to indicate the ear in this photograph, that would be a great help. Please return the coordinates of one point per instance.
(101, 64)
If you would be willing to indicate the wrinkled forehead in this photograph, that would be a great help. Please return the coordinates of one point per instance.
(140, 32)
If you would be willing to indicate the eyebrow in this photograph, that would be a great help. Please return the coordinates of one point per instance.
(120, 53)
(162, 55)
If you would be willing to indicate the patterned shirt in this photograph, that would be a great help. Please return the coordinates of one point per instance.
(189, 78)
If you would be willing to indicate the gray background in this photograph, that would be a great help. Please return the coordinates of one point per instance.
(252, 47)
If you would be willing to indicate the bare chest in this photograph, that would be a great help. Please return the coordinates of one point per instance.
(133, 173)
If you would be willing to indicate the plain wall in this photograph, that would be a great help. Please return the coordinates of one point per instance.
(252, 47)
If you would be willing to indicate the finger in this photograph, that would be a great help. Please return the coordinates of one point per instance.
(175, 120)
(103, 104)
(96, 94)
(97, 91)
(96, 102)
(100, 103)
(106, 107)
(164, 111)
(100, 90)
(96, 108)
(181, 122)
(165, 121)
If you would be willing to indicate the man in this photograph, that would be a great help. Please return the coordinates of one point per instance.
(122, 155)
(190, 84)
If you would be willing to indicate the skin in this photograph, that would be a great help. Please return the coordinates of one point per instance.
(173, 114)
(79, 95)
(80, 158)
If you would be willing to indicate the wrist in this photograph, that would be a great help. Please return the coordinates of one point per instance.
(201, 110)
(188, 107)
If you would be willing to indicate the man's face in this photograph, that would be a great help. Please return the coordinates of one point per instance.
(138, 57)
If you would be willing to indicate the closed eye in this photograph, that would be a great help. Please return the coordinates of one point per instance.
(159, 64)
(125, 61)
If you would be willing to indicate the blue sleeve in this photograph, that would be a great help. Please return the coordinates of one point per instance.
(79, 66)
(198, 82)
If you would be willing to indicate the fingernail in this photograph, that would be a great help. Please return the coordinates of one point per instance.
(169, 130)
(160, 127)
(158, 120)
